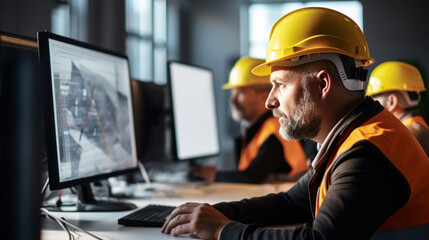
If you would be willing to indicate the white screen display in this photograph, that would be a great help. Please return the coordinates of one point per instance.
(93, 111)
(194, 111)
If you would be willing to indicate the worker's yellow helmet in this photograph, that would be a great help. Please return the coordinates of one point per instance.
(395, 76)
(241, 75)
(314, 30)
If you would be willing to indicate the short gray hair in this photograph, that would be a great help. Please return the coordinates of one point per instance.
(310, 70)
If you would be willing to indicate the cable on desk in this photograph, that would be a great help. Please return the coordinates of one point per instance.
(144, 172)
(62, 225)
(63, 221)
(58, 203)
(45, 186)
(71, 236)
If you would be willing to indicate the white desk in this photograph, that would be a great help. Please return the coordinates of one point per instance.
(104, 224)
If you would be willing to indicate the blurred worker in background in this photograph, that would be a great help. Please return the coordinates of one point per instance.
(397, 86)
(361, 184)
(261, 152)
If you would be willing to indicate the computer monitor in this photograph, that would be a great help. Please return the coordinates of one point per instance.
(193, 105)
(20, 99)
(150, 118)
(89, 117)
(13, 45)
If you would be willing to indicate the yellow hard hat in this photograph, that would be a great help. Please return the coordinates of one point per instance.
(395, 76)
(314, 30)
(241, 76)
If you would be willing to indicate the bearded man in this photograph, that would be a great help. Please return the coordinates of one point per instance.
(360, 184)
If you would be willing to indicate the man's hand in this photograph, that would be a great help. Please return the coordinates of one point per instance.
(197, 219)
(207, 172)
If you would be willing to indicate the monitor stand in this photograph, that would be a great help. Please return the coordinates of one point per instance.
(87, 203)
(147, 190)
(190, 176)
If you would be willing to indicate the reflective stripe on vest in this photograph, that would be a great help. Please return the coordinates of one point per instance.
(292, 150)
(397, 143)
(412, 120)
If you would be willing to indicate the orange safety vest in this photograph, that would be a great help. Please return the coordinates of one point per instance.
(387, 133)
(417, 119)
(292, 150)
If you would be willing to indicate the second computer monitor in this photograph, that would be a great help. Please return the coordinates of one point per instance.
(193, 105)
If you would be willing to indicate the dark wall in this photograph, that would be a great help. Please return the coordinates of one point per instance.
(106, 20)
(25, 17)
(399, 30)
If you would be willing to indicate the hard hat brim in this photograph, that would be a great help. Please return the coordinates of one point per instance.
(380, 91)
(227, 86)
(263, 69)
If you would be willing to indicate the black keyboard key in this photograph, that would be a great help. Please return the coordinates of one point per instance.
(149, 216)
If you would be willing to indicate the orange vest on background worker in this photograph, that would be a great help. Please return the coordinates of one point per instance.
(415, 119)
(293, 152)
(386, 133)
(420, 130)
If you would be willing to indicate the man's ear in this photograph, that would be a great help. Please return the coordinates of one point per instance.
(392, 102)
(325, 83)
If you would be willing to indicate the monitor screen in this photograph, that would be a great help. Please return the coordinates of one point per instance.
(91, 112)
(150, 112)
(194, 111)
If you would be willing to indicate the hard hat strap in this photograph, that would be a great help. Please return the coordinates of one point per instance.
(411, 103)
(352, 79)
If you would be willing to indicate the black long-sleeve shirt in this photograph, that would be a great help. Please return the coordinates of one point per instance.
(365, 190)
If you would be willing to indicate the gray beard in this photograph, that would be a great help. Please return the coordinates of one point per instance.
(299, 129)
(303, 123)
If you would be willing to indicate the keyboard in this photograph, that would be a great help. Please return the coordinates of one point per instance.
(150, 216)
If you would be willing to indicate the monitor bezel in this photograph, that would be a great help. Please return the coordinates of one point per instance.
(52, 154)
(173, 125)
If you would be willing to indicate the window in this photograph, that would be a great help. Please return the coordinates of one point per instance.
(69, 18)
(262, 16)
(146, 39)
(146, 33)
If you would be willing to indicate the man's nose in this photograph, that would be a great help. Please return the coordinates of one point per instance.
(271, 102)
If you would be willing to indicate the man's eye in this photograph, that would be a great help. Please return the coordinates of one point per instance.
(279, 84)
